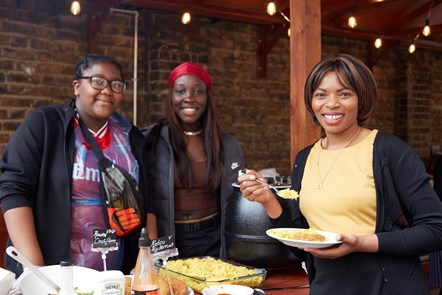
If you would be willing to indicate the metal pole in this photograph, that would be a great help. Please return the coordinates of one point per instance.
(135, 74)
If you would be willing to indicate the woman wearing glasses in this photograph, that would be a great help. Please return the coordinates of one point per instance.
(50, 183)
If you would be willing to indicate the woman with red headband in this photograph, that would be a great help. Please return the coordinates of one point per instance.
(192, 166)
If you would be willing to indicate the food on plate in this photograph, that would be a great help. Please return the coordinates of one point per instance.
(198, 273)
(288, 194)
(310, 235)
(178, 286)
(128, 285)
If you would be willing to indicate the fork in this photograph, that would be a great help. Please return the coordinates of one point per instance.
(243, 171)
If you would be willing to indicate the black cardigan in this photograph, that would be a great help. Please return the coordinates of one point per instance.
(408, 217)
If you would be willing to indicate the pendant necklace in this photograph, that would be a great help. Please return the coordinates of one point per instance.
(193, 133)
(333, 162)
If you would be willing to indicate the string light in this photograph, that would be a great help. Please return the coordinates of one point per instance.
(378, 42)
(427, 31)
(352, 23)
(75, 7)
(186, 18)
(412, 48)
(271, 8)
(284, 16)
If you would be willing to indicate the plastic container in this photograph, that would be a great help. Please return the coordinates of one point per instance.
(67, 278)
(110, 282)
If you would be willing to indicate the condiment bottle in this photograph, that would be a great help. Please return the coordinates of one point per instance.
(67, 278)
(145, 279)
(110, 282)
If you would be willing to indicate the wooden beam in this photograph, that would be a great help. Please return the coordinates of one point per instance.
(265, 45)
(206, 10)
(373, 54)
(94, 22)
(305, 52)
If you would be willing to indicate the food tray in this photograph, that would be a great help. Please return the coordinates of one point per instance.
(201, 272)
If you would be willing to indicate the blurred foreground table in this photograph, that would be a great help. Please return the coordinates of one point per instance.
(291, 281)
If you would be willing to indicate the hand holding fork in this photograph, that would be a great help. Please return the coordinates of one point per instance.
(243, 171)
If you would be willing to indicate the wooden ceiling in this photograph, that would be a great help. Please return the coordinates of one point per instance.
(398, 22)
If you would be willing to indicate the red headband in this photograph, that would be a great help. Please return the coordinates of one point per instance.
(189, 68)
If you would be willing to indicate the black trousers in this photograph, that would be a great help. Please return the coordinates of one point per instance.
(205, 242)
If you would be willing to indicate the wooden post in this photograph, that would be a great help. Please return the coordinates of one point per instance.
(305, 52)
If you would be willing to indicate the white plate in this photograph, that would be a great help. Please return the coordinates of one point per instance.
(331, 239)
(7, 279)
(84, 279)
(227, 289)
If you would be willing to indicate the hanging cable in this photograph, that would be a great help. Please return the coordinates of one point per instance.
(427, 31)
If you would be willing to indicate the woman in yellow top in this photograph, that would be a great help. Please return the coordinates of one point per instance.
(364, 185)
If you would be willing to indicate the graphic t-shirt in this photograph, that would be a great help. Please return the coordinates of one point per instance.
(87, 213)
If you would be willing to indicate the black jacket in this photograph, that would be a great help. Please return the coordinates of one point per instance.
(37, 167)
(161, 180)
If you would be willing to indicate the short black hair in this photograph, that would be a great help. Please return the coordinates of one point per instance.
(92, 59)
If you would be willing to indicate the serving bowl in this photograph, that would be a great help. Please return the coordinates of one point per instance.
(197, 281)
(7, 279)
(83, 278)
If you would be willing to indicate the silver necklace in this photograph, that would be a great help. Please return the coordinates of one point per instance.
(334, 160)
(193, 133)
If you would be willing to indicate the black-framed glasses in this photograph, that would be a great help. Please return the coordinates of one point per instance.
(100, 83)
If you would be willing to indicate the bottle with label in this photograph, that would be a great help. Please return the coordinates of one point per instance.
(145, 279)
(110, 282)
(67, 278)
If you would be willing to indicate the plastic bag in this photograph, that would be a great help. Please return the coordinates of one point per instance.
(123, 200)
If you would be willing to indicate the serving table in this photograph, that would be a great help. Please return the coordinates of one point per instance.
(285, 281)
(291, 281)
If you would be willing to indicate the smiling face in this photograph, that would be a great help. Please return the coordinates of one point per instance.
(95, 106)
(335, 106)
(189, 101)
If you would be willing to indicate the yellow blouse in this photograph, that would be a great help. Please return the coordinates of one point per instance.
(346, 203)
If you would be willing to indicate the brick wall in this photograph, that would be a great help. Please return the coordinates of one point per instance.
(40, 42)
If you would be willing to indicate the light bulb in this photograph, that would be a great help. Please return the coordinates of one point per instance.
(288, 32)
(75, 7)
(185, 18)
(378, 42)
(412, 48)
(352, 22)
(427, 31)
(271, 8)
